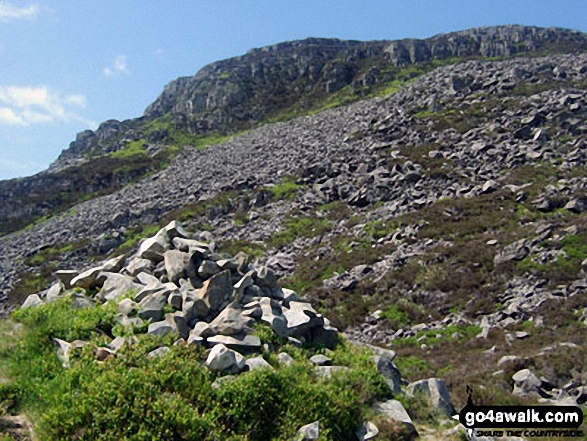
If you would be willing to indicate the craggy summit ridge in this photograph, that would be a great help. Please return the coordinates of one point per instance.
(231, 92)
(242, 91)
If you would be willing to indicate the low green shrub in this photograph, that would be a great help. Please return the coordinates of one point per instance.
(132, 396)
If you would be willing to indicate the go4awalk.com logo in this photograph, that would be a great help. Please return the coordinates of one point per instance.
(527, 421)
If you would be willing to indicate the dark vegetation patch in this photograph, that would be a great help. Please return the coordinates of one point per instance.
(232, 247)
(42, 264)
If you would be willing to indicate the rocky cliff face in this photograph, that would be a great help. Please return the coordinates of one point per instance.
(243, 90)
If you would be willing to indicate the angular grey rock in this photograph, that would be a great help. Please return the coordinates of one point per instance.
(489, 187)
(245, 343)
(394, 410)
(230, 321)
(321, 360)
(367, 431)
(506, 359)
(217, 290)
(289, 295)
(246, 281)
(179, 322)
(308, 432)
(66, 276)
(117, 344)
(577, 205)
(114, 265)
(88, 279)
(525, 383)
(266, 278)
(151, 307)
(147, 290)
(435, 391)
(301, 317)
(137, 266)
(117, 285)
(208, 268)
(175, 300)
(515, 251)
(176, 264)
(193, 306)
(273, 316)
(173, 324)
(147, 278)
(161, 328)
(54, 292)
(154, 247)
(159, 352)
(285, 359)
(175, 229)
(257, 363)
(127, 307)
(389, 372)
(190, 245)
(224, 360)
(32, 301)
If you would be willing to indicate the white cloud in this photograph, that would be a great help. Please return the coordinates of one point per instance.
(159, 54)
(9, 118)
(76, 99)
(23, 106)
(118, 67)
(11, 12)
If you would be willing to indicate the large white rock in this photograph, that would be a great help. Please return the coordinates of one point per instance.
(32, 301)
(308, 432)
(154, 247)
(117, 285)
(245, 343)
(89, 279)
(394, 410)
(176, 264)
(224, 360)
(216, 290)
(115, 264)
(436, 392)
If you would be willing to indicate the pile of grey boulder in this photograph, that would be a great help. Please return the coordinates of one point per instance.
(177, 284)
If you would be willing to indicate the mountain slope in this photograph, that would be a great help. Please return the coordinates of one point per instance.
(267, 84)
(447, 221)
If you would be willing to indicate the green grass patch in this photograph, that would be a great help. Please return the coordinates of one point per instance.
(232, 247)
(287, 189)
(132, 396)
(435, 336)
(295, 227)
(134, 236)
(133, 148)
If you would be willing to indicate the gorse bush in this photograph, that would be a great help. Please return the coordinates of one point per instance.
(135, 397)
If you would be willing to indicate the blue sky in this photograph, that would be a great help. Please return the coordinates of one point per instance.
(67, 65)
